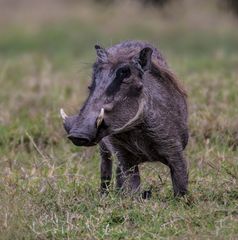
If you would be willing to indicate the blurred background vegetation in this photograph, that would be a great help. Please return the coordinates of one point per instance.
(48, 187)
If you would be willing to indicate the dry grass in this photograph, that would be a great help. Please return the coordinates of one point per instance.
(49, 188)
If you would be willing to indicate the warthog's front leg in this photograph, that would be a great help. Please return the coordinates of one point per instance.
(106, 168)
(127, 173)
(128, 180)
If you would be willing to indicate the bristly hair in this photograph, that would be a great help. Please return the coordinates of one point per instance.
(168, 75)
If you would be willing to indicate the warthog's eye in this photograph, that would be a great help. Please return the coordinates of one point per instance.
(123, 72)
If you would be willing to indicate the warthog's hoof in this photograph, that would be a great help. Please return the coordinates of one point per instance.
(147, 194)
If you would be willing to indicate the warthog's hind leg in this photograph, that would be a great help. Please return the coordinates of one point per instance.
(179, 174)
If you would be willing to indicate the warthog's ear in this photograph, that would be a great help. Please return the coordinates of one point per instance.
(101, 53)
(144, 58)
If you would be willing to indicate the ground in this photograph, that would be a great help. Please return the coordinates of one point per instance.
(49, 189)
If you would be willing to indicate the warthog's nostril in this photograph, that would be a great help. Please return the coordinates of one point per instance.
(79, 140)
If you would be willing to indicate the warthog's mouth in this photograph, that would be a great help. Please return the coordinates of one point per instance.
(87, 141)
(82, 142)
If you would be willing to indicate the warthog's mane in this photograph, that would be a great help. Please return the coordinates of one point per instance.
(168, 75)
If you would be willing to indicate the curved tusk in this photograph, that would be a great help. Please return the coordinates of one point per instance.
(100, 118)
(63, 114)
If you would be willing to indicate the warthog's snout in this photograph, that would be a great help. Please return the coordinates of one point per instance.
(83, 132)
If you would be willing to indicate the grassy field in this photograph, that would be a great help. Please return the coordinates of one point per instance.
(49, 189)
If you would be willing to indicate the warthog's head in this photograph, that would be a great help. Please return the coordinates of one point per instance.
(115, 102)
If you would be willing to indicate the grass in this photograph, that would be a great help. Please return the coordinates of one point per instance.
(49, 189)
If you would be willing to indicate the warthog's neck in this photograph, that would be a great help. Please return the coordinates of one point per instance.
(134, 121)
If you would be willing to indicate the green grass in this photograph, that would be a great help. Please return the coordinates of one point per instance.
(49, 189)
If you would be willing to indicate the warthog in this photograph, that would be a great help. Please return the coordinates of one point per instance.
(137, 111)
